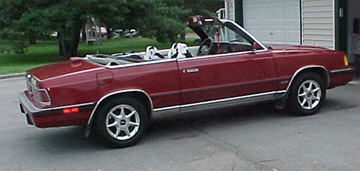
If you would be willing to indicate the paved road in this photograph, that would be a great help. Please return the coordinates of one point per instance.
(246, 138)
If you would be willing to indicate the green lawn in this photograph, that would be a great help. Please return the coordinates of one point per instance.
(46, 52)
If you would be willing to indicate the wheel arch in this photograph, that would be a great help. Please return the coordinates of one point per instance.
(318, 69)
(134, 93)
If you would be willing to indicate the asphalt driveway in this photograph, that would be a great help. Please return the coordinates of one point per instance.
(256, 137)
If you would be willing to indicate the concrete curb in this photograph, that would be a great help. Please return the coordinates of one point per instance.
(12, 75)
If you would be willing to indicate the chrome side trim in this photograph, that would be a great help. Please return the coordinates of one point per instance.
(181, 59)
(341, 70)
(307, 67)
(90, 120)
(70, 106)
(218, 103)
(167, 108)
(229, 99)
(166, 111)
(220, 55)
(141, 63)
(74, 73)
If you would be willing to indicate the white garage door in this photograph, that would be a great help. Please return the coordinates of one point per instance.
(273, 21)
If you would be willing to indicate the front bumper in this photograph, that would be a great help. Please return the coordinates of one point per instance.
(341, 77)
(53, 117)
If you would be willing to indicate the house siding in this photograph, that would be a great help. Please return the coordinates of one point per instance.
(318, 23)
(230, 9)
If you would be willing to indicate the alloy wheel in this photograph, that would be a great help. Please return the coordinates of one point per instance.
(122, 122)
(309, 94)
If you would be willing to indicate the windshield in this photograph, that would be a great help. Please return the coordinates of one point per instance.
(222, 33)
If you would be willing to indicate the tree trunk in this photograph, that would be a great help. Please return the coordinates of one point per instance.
(32, 39)
(83, 33)
(68, 45)
(108, 33)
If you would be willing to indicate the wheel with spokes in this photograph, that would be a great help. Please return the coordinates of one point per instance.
(307, 94)
(122, 122)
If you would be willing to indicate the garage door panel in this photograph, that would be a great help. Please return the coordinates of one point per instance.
(291, 36)
(264, 35)
(278, 12)
(279, 36)
(273, 21)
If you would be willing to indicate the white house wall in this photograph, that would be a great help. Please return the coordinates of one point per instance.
(282, 21)
(230, 9)
(318, 23)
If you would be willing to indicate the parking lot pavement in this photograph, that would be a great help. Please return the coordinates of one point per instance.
(355, 81)
(255, 137)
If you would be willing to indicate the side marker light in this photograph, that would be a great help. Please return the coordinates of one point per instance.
(70, 110)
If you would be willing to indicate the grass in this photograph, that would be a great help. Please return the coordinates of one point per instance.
(46, 52)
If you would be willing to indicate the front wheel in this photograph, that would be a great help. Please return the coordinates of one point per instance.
(307, 94)
(122, 122)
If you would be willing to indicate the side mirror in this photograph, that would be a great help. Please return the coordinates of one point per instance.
(256, 46)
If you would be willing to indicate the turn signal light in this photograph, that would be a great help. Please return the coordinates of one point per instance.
(70, 110)
(346, 62)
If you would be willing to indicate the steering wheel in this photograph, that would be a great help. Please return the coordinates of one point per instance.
(205, 47)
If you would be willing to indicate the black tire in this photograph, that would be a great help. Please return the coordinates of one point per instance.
(118, 115)
(307, 94)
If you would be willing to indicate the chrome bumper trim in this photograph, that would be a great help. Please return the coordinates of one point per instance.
(343, 70)
(29, 106)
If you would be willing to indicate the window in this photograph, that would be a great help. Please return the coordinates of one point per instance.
(226, 40)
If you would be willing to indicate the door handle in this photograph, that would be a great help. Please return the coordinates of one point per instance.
(191, 70)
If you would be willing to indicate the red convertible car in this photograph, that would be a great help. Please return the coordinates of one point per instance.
(116, 95)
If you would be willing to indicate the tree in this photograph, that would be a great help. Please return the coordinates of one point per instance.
(27, 18)
(206, 8)
(160, 19)
(68, 16)
(156, 20)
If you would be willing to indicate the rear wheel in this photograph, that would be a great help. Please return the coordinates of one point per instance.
(307, 94)
(122, 122)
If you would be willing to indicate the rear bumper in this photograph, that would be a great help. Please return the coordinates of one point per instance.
(53, 117)
(341, 77)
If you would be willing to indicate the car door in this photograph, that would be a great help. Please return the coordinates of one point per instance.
(239, 77)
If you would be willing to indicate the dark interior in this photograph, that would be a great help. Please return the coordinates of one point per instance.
(230, 47)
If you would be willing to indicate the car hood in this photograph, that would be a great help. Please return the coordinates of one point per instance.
(276, 47)
(74, 65)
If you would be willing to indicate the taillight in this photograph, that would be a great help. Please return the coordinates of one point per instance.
(41, 96)
(35, 90)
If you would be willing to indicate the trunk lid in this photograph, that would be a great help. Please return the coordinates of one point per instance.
(63, 68)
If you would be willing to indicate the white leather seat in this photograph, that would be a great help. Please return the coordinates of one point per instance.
(151, 53)
(179, 50)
